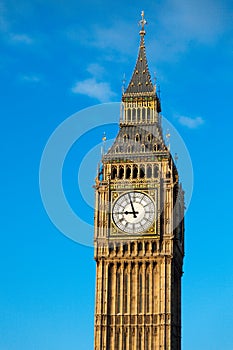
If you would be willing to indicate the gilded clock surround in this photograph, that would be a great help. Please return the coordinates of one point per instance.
(138, 276)
(133, 212)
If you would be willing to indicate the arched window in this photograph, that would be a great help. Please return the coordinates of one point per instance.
(148, 114)
(155, 147)
(121, 172)
(153, 247)
(143, 148)
(149, 171)
(135, 172)
(132, 246)
(114, 172)
(156, 171)
(140, 246)
(142, 171)
(128, 172)
(129, 115)
(125, 138)
(149, 137)
(137, 138)
(143, 114)
(117, 149)
(133, 114)
(128, 149)
(147, 247)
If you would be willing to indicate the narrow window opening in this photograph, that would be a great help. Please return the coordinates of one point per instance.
(133, 114)
(139, 341)
(148, 114)
(121, 173)
(118, 291)
(125, 138)
(140, 292)
(147, 291)
(140, 246)
(126, 292)
(147, 340)
(110, 289)
(129, 115)
(153, 247)
(128, 172)
(143, 114)
(156, 172)
(149, 171)
(124, 340)
(135, 172)
(114, 172)
(142, 172)
(149, 138)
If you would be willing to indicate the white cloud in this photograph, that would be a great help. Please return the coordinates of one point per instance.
(98, 90)
(31, 78)
(200, 20)
(21, 38)
(183, 23)
(117, 39)
(96, 70)
(191, 123)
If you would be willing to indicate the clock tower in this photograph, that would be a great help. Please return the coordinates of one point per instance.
(139, 228)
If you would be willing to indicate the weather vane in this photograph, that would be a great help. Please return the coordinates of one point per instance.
(142, 23)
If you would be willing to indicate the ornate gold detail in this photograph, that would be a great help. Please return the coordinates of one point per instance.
(115, 195)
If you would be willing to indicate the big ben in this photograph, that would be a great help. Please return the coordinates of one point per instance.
(139, 227)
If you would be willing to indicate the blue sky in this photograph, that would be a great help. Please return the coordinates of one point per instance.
(59, 57)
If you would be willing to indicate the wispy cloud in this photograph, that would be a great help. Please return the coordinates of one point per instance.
(191, 123)
(31, 78)
(21, 38)
(7, 28)
(91, 88)
(182, 23)
(96, 70)
(113, 38)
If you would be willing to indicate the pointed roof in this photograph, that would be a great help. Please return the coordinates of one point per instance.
(140, 82)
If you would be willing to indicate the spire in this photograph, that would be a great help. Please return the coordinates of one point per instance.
(140, 82)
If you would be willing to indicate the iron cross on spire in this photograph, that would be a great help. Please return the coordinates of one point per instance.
(142, 23)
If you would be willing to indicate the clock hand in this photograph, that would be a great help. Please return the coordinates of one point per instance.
(133, 210)
(127, 212)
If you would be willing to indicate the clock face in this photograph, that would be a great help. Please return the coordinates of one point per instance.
(133, 212)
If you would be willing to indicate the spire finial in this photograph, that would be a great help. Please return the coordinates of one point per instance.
(142, 24)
